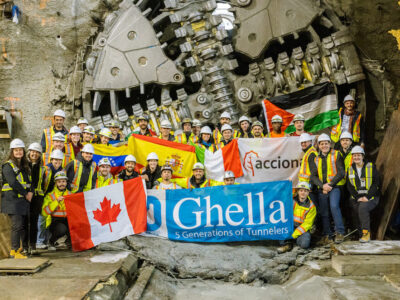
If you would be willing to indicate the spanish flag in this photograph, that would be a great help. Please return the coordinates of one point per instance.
(180, 157)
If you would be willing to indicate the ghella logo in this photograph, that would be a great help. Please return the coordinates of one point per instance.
(248, 161)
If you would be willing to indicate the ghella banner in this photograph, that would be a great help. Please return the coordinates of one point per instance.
(246, 212)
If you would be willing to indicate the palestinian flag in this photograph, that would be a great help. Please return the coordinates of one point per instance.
(318, 104)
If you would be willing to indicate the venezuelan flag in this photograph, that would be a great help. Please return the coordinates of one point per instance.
(116, 155)
(179, 156)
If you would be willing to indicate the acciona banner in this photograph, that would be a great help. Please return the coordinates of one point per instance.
(270, 159)
(247, 212)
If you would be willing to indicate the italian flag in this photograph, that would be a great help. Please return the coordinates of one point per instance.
(225, 159)
(318, 104)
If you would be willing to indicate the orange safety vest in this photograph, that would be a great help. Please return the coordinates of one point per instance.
(337, 129)
(68, 155)
(331, 167)
(276, 135)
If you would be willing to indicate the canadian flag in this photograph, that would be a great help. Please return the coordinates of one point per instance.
(106, 214)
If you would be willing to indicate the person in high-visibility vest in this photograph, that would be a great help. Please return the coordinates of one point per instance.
(225, 118)
(143, 128)
(276, 131)
(116, 135)
(309, 156)
(54, 210)
(187, 136)
(206, 140)
(298, 122)
(327, 173)
(227, 136)
(88, 135)
(82, 123)
(104, 136)
(363, 185)
(229, 178)
(196, 128)
(166, 184)
(350, 120)
(59, 143)
(75, 134)
(129, 171)
(257, 129)
(244, 128)
(80, 171)
(47, 136)
(165, 134)
(197, 180)
(103, 176)
(304, 213)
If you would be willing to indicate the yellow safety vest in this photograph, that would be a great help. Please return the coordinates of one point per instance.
(185, 183)
(68, 155)
(18, 174)
(174, 187)
(304, 217)
(48, 134)
(368, 177)
(348, 161)
(78, 169)
(42, 176)
(217, 135)
(105, 181)
(337, 129)
(331, 167)
(212, 147)
(305, 173)
(181, 138)
(52, 208)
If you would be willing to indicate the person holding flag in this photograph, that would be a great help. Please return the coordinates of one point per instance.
(166, 131)
(129, 171)
(206, 141)
(276, 127)
(198, 179)
(166, 184)
(103, 176)
(143, 128)
(104, 136)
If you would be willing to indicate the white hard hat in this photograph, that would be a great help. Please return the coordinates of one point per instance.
(226, 127)
(129, 157)
(58, 137)
(346, 135)
(104, 161)
(225, 114)
(88, 148)
(305, 137)
(276, 119)
(152, 155)
(36, 147)
(324, 138)
(299, 117)
(358, 149)
(105, 132)
(75, 129)
(60, 175)
(57, 154)
(198, 166)
(17, 143)
(229, 174)
(196, 123)
(348, 98)
(206, 130)
(167, 167)
(244, 118)
(89, 129)
(82, 121)
(59, 113)
(303, 185)
(165, 124)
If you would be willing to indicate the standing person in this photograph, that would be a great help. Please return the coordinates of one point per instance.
(59, 144)
(298, 122)
(166, 184)
(103, 176)
(16, 194)
(80, 171)
(349, 120)
(310, 153)
(166, 131)
(88, 135)
(229, 178)
(276, 127)
(187, 136)
(206, 141)
(82, 123)
(75, 139)
(152, 171)
(245, 129)
(327, 173)
(104, 136)
(196, 128)
(257, 129)
(116, 136)
(54, 210)
(129, 171)
(363, 185)
(143, 128)
(197, 180)
(227, 135)
(48, 133)
(225, 118)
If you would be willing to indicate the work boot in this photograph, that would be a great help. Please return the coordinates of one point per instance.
(325, 240)
(366, 237)
(12, 253)
(284, 248)
(18, 254)
(339, 238)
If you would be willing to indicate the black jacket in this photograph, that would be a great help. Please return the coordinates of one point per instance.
(64, 131)
(314, 171)
(123, 176)
(51, 179)
(152, 177)
(85, 174)
(362, 125)
(374, 188)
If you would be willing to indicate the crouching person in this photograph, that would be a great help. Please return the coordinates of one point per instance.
(166, 184)
(304, 213)
(54, 210)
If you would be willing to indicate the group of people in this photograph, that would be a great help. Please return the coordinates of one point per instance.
(35, 184)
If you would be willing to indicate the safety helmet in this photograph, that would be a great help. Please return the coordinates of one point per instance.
(129, 157)
(59, 113)
(142, 117)
(35, 147)
(165, 124)
(186, 120)
(57, 154)
(82, 121)
(324, 138)
(346, 135)
(244, 118)
(113, 123)
(166, 167)
(75, 129)
(58, 137)
(229, 174)
(196, 123)
(303, 185)
(206, 130)
(88, 148)
(299, 117)
(89, 129)
(105, 132)
(60, 175)
(17, 143)
(198, 166)
(357, 149)
(225, 114)
(152, 155)
(257, 123)
(276, 119)
(305, 137)
(226, 127)
(104, 161)
(348, 98)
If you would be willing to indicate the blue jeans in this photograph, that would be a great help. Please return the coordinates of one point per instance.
(330, 203)
(43, 232)
(303, 241)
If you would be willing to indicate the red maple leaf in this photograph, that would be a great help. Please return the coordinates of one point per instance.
(107, 214)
